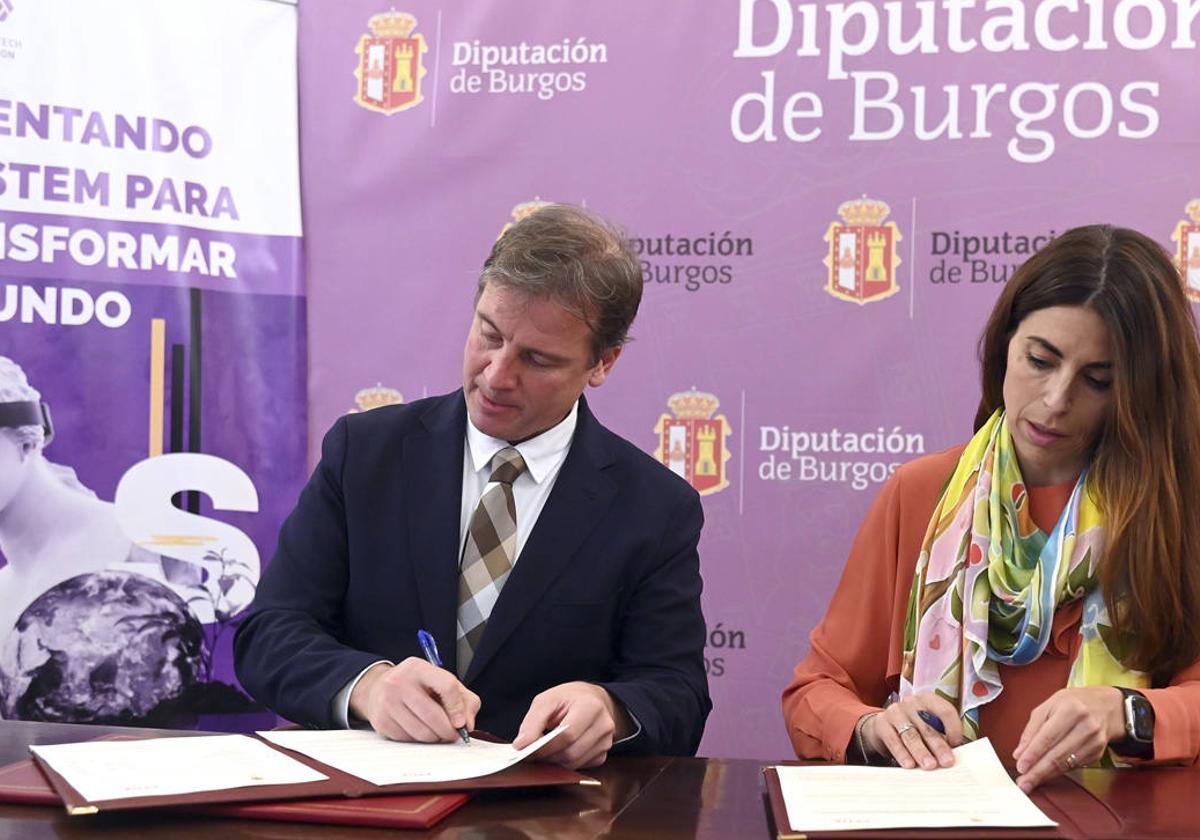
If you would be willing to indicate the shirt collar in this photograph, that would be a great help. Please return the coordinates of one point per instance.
(541, 453)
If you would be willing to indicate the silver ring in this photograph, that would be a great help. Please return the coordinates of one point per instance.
(1072, 760)
(902, 729)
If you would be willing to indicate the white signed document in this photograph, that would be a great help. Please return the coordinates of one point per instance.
(370, 756)
(106, 770)
(975, 792)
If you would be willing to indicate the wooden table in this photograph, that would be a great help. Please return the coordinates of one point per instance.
(650, 797)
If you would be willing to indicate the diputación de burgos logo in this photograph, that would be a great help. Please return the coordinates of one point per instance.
(719, 643)
(857, 459)
(862, 256)
(692, 261)
(1187, 253)
(542, 70)
(693, 444)
(390, 64)
(972, 257)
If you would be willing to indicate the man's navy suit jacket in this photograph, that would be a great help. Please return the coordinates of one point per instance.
(606, 588)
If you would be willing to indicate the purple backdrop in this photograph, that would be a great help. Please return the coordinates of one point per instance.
(402, 207)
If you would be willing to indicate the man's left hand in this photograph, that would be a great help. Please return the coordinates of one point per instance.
(1072, 728)
(593, 717)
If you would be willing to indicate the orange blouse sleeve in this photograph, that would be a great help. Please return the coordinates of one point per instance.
(854, 657)
(1177, 718)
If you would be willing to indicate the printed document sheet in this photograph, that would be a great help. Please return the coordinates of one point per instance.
(370, 756)
(104, 770)
(975, 792)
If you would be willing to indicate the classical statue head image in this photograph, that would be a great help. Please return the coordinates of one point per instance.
(81, 639)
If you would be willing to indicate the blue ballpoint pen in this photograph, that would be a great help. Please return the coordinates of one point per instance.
(932, 719)
(429, 648)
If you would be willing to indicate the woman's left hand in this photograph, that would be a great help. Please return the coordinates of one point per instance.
(1071, 729)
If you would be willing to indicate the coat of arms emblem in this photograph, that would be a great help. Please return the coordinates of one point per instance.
(1187, 253)
(390, 68)
(377, 397)
(862, 257)
(692, 443)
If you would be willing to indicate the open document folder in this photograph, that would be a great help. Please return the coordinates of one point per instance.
(109, 775)
(976, 792)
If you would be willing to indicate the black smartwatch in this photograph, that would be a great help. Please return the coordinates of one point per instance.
(1139, 725)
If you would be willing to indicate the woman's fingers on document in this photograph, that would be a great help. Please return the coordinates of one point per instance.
(1070, 729)
(910, 739)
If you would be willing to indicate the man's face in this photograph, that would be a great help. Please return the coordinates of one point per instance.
(526, 362)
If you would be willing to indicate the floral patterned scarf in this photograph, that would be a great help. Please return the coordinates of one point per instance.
(988, 581)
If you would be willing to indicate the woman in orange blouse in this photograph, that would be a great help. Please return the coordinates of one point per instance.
(1040, 585)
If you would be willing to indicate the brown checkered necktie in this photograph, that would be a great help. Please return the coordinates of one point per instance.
(488, 554)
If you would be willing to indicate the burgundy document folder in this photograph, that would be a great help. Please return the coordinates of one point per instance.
(22, 783)
(338, 785)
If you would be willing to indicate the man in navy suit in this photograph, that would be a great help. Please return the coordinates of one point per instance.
(597, 624)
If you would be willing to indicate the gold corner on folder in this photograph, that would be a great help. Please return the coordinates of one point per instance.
(83, 810)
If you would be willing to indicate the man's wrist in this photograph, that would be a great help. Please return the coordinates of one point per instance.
(360, 695)
(625, 726)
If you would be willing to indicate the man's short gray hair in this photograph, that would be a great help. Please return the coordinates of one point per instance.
(579, 260)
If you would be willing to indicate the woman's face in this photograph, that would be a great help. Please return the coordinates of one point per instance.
(1057, 391)
(14, 466)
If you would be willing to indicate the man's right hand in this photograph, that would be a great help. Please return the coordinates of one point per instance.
(414, 701)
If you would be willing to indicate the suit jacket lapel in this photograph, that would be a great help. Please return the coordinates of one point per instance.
(432, 476)
(581, 495)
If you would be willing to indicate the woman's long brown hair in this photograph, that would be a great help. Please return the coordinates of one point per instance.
(1146, 467)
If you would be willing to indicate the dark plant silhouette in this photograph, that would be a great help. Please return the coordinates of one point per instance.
(212, 583)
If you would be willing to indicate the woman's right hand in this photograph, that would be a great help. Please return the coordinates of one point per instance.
(899, 732)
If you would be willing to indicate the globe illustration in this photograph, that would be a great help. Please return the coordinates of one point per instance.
(106, 647)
